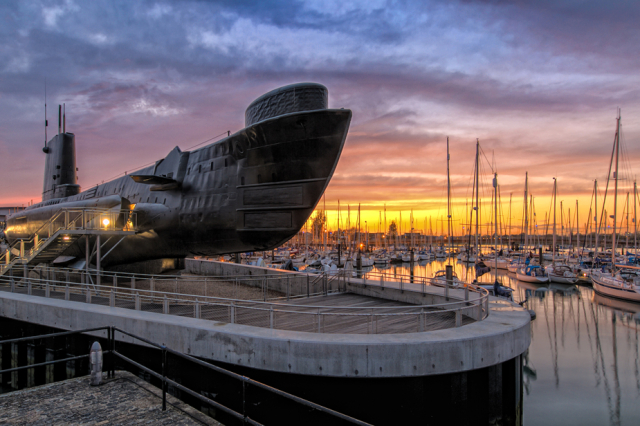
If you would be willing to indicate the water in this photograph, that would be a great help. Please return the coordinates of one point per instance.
(582, 367)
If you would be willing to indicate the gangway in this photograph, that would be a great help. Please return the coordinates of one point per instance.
(62, 230)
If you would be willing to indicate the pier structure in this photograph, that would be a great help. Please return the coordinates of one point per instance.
(301, 328)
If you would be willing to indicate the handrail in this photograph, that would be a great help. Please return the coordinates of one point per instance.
(110, 369)
(230, 309)
(238, 302)
(85, 215)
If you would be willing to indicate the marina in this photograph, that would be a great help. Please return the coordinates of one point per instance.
(319, 213)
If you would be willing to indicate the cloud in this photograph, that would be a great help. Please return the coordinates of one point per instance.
(537, 82)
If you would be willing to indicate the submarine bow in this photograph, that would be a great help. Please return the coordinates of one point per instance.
(250, 191)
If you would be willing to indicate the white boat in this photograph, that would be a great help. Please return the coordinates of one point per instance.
(440, 279)
(621, 285)
(381, 260)
(502, 263)
(561, 274)
(532, 274)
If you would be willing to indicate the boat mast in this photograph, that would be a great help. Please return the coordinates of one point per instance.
(595, 218)
(509, 237)
(477, 207)
(578, 229)
(495, 214)
(635, 222)
(553, 253)
(526, 213)
(449, 205)
(615, 200)
(627, 221)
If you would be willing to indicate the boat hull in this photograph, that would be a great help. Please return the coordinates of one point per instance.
(608, 289)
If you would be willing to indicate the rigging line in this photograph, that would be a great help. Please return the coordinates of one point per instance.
(487, 160)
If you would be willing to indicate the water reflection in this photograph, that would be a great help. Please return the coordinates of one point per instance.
(582, 367)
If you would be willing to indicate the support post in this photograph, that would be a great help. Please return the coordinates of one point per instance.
(66, 292)
(165, 305)
(137, 301)
(458, 318)
(112, 298)
(164, 377)
(271, 317)
(98, 273)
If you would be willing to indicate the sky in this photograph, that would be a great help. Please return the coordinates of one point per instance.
(538, 83)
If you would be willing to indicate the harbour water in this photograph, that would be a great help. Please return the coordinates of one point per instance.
(582, 367)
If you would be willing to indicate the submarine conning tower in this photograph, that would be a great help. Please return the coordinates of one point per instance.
(60, 177)
(297, 97)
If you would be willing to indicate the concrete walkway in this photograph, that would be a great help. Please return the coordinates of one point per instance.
(125, 400)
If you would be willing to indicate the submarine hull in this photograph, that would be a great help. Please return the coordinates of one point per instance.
(251, 191)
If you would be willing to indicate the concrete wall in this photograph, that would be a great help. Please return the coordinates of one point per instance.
(504, 335)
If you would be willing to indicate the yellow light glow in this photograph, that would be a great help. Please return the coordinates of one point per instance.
(66, 238)
(105, 222)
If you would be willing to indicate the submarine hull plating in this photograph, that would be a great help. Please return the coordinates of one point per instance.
(251, 191)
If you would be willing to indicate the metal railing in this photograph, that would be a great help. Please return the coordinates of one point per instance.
(280, 313)
(165, 381)
(68, 219)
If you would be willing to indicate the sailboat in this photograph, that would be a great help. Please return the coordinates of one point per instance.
(617, 283)
(558, 273)
(440, 277)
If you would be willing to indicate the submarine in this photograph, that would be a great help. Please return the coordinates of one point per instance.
(251, 191)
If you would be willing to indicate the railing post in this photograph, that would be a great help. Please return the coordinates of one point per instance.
(466, 292)
(165, 305)
(307, 285)
(47, 290)
(88, 300)
(152, 284)
(318, 320)
(458, 318)
(164, 378)
(288, 290)
(137, 301)
(112, 298)
(115, 280)
(196, 309)
(66, 292)
(66, 275)
(271, 317)
(13, 284)
(244, 400)
(421, 320)
(232, 318)
(324, 282)
(29, 287)
(133, 282)
(401, 285)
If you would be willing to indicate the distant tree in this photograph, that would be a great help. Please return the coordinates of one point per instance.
(318, 223)
(393, 229)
